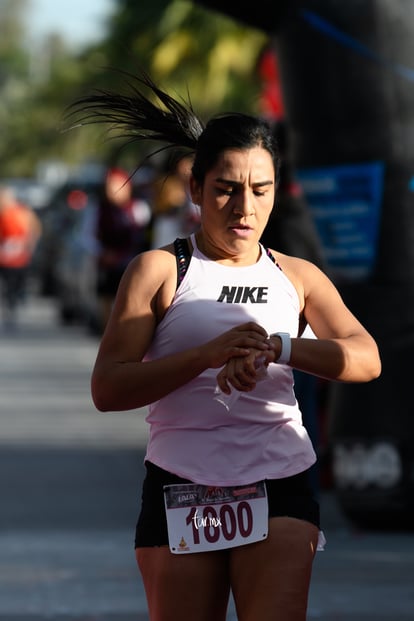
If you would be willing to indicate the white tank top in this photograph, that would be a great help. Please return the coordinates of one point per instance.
(262, 436)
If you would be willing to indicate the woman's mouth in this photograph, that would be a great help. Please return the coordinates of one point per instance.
(241, 229)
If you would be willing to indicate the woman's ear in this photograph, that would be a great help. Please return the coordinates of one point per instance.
(195, 190)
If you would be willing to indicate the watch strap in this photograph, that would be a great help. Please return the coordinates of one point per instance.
(286, 347)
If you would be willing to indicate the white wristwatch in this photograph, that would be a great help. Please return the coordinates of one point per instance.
(286, 347)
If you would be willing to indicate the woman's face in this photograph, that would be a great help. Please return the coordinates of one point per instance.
(236, 200)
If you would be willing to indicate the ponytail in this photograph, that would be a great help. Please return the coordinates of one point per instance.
(173, 123)
(135, 117)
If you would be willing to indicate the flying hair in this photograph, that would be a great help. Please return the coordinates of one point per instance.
(135, 117)
(147, 112)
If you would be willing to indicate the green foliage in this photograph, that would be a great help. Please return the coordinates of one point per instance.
(185, 48)
(13, 56)
(188, 48)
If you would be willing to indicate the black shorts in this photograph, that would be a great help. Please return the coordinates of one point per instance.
(291, 496)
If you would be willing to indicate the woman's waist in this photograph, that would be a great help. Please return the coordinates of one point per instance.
(227, 456)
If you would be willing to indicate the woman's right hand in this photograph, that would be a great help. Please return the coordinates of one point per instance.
(236, 342)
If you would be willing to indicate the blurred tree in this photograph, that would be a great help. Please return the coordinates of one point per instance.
(13, 56)
(186, 48)
(31, 108)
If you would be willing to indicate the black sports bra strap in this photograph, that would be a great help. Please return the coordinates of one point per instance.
(272, 258)
(183, 257)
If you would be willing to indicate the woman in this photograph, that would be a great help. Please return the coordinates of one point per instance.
(241, 516)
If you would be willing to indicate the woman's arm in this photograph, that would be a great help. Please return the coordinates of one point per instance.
(343, 350)
(120, 379)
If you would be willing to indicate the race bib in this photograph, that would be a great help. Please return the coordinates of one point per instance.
(202, 518)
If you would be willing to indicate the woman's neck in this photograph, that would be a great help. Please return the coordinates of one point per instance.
(226, 257)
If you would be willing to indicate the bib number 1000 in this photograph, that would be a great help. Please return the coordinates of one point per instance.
(225, 522)
(199, 521)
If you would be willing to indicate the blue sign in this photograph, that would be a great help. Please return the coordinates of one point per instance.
(345, 202)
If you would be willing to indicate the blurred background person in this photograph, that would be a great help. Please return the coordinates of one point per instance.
(291, 226)
(123, 229)
(175, 215)
(20, 230)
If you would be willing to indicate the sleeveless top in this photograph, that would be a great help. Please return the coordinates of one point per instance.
(191, 434)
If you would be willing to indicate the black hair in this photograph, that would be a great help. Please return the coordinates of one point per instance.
(232, 131)
(174, 124)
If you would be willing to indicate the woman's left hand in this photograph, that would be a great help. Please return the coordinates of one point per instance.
(243, 373)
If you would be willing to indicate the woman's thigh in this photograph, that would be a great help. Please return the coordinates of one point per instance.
(270, 579)
(188, 586)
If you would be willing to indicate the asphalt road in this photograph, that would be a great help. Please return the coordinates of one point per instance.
(70, 480)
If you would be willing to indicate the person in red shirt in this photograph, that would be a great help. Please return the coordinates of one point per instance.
(20, 230)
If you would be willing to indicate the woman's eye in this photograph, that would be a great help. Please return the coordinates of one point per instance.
(225, 192)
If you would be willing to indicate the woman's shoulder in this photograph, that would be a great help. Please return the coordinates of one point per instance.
(289, 263)
(154, 260)
(302, 273)
(150, 279)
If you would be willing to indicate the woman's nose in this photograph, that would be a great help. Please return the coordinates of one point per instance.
(244, 204)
